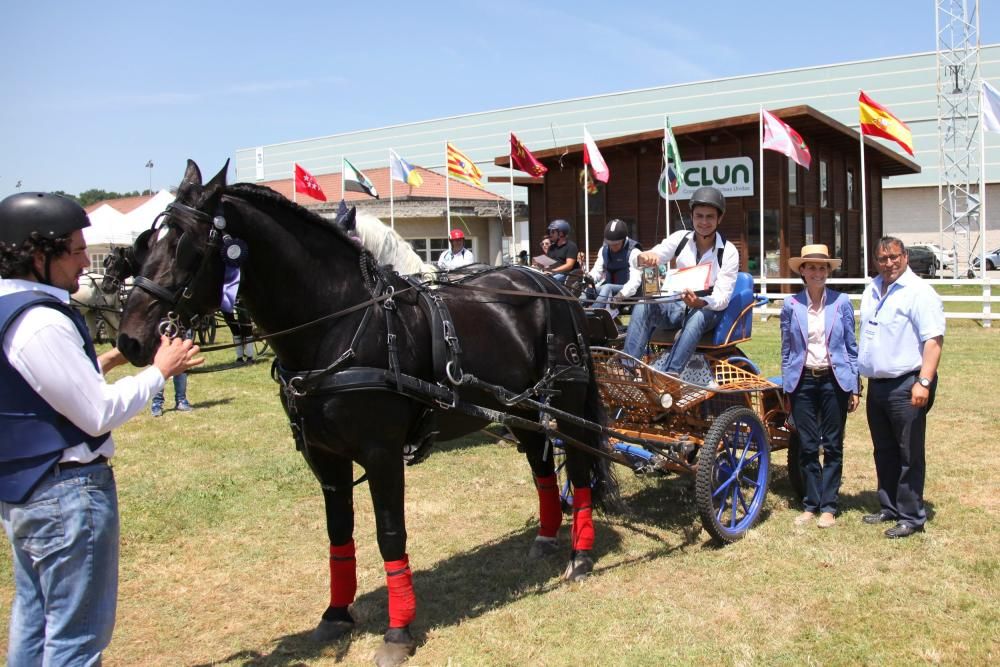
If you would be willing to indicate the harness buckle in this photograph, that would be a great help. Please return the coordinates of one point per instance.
(293, 387)
(389, 304)
(170, 325)
(448, 370)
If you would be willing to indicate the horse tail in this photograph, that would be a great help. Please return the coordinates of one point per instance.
(605, 488)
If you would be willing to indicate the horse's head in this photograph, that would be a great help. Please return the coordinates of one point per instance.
(180, 268)
(124, 262)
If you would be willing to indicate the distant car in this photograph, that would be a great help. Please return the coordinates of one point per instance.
(922, 261)
(992, 262)
(945, 258)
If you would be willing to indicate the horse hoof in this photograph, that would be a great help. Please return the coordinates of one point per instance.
(542, 547)
(390, 654)
(580, 565)
(328, 631)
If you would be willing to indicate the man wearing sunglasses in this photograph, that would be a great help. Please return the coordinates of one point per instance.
(902, 333)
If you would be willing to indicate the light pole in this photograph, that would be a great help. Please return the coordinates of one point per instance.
(149, 165)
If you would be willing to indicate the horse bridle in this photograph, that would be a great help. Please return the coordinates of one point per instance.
(189, 258)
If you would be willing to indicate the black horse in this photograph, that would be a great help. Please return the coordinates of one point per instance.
(374, 366)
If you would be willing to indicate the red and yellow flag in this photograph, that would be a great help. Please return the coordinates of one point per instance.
(523, 160)
(462, 168)
(878, 121)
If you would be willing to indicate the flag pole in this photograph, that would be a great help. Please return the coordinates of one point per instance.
(760, 161)
(666, 171)
(982, 211)
(342, 179)
(447, 187)
(294, 189)
(513, 227)
(392, 204)
(864, 207)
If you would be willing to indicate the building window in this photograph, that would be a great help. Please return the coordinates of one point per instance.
(793, 183)
(809, 232)
(851, 202)
(430, 248)
(97, 262)
(824, 183)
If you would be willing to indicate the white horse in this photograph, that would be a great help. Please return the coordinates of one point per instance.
(97, 306)
(386, 245)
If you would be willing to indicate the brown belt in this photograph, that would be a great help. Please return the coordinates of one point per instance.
(819, 372)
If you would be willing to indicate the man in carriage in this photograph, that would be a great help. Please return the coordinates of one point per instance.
(693, 315)
(616, 272)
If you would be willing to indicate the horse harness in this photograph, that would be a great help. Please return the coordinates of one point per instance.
(448, 375)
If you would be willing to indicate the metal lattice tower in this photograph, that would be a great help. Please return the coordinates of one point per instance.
(957, 29)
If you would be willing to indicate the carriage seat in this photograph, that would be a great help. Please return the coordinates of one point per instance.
(601, 328)
(733, 328)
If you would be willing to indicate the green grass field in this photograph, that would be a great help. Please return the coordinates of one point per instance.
(224, 550)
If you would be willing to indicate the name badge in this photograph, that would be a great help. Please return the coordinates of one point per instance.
(869, 329)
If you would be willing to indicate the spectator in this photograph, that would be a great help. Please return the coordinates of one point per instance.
(902, 334)
(457, 255)
(819, 372)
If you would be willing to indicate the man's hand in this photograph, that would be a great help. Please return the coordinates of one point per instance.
(648, 258)
(691, 300)
(853, 402)
(176, 356)
(919, 395)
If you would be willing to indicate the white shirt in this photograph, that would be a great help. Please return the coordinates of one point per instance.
(817, 355)
(44, 346)
(631, 285)
(447, 261)
(894, 327)
(723, 278)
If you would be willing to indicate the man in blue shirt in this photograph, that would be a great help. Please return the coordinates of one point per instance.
(902, 333)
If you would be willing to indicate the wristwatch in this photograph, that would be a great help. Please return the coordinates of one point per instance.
(924, 382)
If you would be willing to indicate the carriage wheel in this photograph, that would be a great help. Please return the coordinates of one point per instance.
(794, 468)
(733, 470)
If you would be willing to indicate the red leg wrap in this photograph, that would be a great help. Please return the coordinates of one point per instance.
(583, 521)
(549, 506)
(343, 575)
(402, 601)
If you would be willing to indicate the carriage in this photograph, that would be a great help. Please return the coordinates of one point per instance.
(718, 422)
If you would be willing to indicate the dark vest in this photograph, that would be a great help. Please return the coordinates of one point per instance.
(616, 263)
(32, 434)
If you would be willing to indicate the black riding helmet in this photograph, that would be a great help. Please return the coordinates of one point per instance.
(52, 216)
(709, 196)
(560, 226)
(616, 230)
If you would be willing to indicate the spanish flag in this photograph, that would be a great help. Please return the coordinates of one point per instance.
(878, 121)
(462, 168)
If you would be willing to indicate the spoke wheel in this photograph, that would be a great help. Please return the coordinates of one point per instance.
(733, 470)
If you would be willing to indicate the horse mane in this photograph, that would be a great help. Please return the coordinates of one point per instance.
(265, 196)
(389, 247)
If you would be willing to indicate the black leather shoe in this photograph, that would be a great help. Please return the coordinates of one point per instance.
(882, 516)
(902, 530)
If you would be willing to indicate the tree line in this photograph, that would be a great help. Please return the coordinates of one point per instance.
(94, 195)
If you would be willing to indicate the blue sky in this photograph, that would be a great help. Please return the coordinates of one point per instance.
(92, 91)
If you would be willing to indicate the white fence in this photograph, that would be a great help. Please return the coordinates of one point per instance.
(770, 288)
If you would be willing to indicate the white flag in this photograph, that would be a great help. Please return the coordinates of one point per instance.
(593, 157)
(991, 108)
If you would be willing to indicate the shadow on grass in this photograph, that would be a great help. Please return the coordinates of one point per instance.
(470, 584)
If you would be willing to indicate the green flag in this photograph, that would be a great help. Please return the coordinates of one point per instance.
(672, 154)
(355, 181)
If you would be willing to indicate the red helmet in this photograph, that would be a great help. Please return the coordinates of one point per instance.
(456, 235)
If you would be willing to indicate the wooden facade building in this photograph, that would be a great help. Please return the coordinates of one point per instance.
(819, 205)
